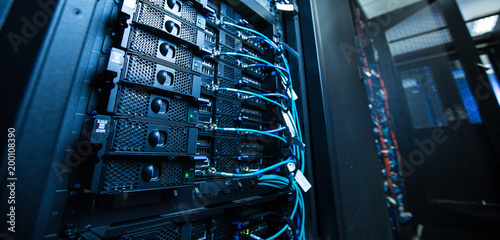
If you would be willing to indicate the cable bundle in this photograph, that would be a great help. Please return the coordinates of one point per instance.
(296, 147)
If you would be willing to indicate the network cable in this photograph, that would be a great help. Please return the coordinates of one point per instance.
(255, 95)
(272, 180)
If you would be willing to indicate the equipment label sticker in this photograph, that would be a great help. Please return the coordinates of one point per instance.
(302, 181)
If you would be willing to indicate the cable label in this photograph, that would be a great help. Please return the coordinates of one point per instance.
(302, 181)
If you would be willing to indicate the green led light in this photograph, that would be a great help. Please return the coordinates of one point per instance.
(191, 115)
(196, 64)
(187, 174)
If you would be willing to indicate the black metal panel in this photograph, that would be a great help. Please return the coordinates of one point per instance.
(344, 153)
(42, 117)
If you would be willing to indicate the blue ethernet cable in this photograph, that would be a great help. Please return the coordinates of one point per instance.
(254, 131)
(254, 58)
(254, 32)
(256, 172)
(272, 66)
(256, 95)
(275, 95)
(276, 130)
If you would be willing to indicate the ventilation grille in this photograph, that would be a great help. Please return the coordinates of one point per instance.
(178, 110)
(229, 72)
(160, 3)
(154, 18)
(188, 33)
(228, 58)
(229, 12)
(227, 84)
(121, 175)
(225, 121)
(256, 102)
(141, 71)
(223, 230)
(124, 174)
(177, 139)
(150, 16)
(184, 57)
(144, 42)
(169, 233)
(130, 136)
(183, 82)
(188, 12)
(198, 226)
(227, 107)
(228, 145)
(225, 164)
(133, 102)
(229, 41)
(172, 174)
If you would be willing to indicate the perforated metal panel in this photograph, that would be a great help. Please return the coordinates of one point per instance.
(227, 107)
(132, 102)
(257, 102)
(229, 41)
(125, 174)
(121, 174)
(177, 139)
(428, 19)
(188, 12)
(172, 173)
(419, 42)
(183, 82)
(130, 136)
(169, 233)
(160, 3)
(424, 29)
(229, 12)
(144, 42)
(228, 145)
(225, 121)
(154, 18)
(228, 58)
(184, 57)
(143, 71)
(228, 84)
(423, 98)
(188, 33)
(225, 164)
(150, 16)
(229, 72)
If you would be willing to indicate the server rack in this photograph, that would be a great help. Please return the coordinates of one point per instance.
(162, 102)
(113, 163)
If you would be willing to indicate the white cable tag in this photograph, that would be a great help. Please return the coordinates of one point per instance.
(292, 94)
(284, 7)
(289, 124)
(302, 181)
